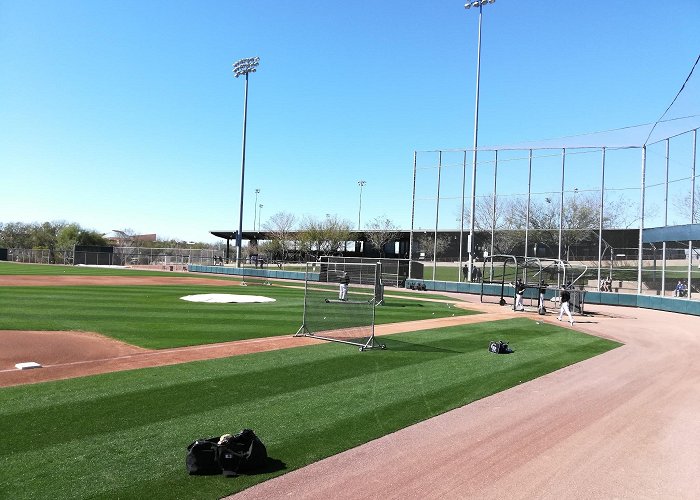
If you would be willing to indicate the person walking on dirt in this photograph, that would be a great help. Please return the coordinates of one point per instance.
(565, 298)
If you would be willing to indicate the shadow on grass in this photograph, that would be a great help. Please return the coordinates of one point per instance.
(399, 345)
(271, 465)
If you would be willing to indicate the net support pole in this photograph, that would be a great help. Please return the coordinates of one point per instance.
(600, 219)
(493, 205)
(641, 219)
(663, 246)
(461, 217)
(527, 209)
(437, 214)
(561, 209)
(413, 216)
(692, 212)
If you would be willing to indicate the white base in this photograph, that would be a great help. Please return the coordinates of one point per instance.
(27, 365)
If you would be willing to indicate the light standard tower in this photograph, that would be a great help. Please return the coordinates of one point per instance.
(243, 67)
(472, 242)
(359, 213)
(255, 212)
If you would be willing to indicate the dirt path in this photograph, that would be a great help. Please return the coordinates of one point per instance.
(621, 425)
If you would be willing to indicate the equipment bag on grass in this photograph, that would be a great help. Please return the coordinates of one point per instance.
(241, 453)
(203, 457)
(227, 454)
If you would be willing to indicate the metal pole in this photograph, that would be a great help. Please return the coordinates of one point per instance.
(360, 183)
(527, 209)
(413, 216)
(255, 212)
(600, 219)
(692, 211)
(641, 220)
(476, 142)
(663, 247)
(437, 214)
(493, 207)
(239, 235)
(561, 201)
(461, 218)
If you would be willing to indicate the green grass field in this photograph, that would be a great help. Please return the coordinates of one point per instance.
(124, 434)
(155, 317)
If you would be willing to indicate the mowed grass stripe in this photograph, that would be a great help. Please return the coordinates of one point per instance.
(155, 317)
(124, 435)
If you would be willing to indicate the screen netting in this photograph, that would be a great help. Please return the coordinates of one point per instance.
(340, 301)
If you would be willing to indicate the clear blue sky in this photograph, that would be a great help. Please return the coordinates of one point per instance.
(125, 114)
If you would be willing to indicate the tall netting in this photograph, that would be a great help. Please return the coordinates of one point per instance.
(339, 302)
(629, 215)
(623, 203)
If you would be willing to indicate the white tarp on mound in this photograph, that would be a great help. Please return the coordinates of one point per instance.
(223, 298)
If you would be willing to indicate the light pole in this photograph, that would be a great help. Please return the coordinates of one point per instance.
(243, 67)
(472, 242)
(259, 216)
(359, 213)
(255, 212)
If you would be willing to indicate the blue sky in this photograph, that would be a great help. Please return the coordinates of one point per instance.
(125, 114)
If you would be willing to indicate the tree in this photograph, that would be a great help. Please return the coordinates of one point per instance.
(581, 219)
(427, 244)
(325, 236)
(336, 233)
(683, 206)
(279, 228)
(16, 235)
(380, 231)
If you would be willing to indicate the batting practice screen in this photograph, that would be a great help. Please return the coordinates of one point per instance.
(340, 301)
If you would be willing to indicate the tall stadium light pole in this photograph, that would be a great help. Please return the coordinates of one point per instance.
(255, 212)
(243, 67)
(472, 239)
(359, 213)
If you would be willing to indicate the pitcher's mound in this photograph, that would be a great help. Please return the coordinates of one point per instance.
(226, 298)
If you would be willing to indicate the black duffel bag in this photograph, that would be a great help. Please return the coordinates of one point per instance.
(227, 454)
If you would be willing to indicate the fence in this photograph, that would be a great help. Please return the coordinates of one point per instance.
(120, 256)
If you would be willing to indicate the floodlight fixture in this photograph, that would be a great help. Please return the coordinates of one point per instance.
(245, 66)
(477, 3)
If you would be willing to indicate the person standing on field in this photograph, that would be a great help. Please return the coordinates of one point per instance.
(343, 289)
(540, 304)
(519, 292)
(565, 298)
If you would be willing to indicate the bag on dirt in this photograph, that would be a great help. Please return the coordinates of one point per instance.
(203, 457)
(243, 452)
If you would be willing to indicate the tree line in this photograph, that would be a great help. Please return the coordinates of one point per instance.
(48, 235)
(311, 237)
(287, 236)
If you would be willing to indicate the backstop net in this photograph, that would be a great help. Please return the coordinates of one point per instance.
(339, 302)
